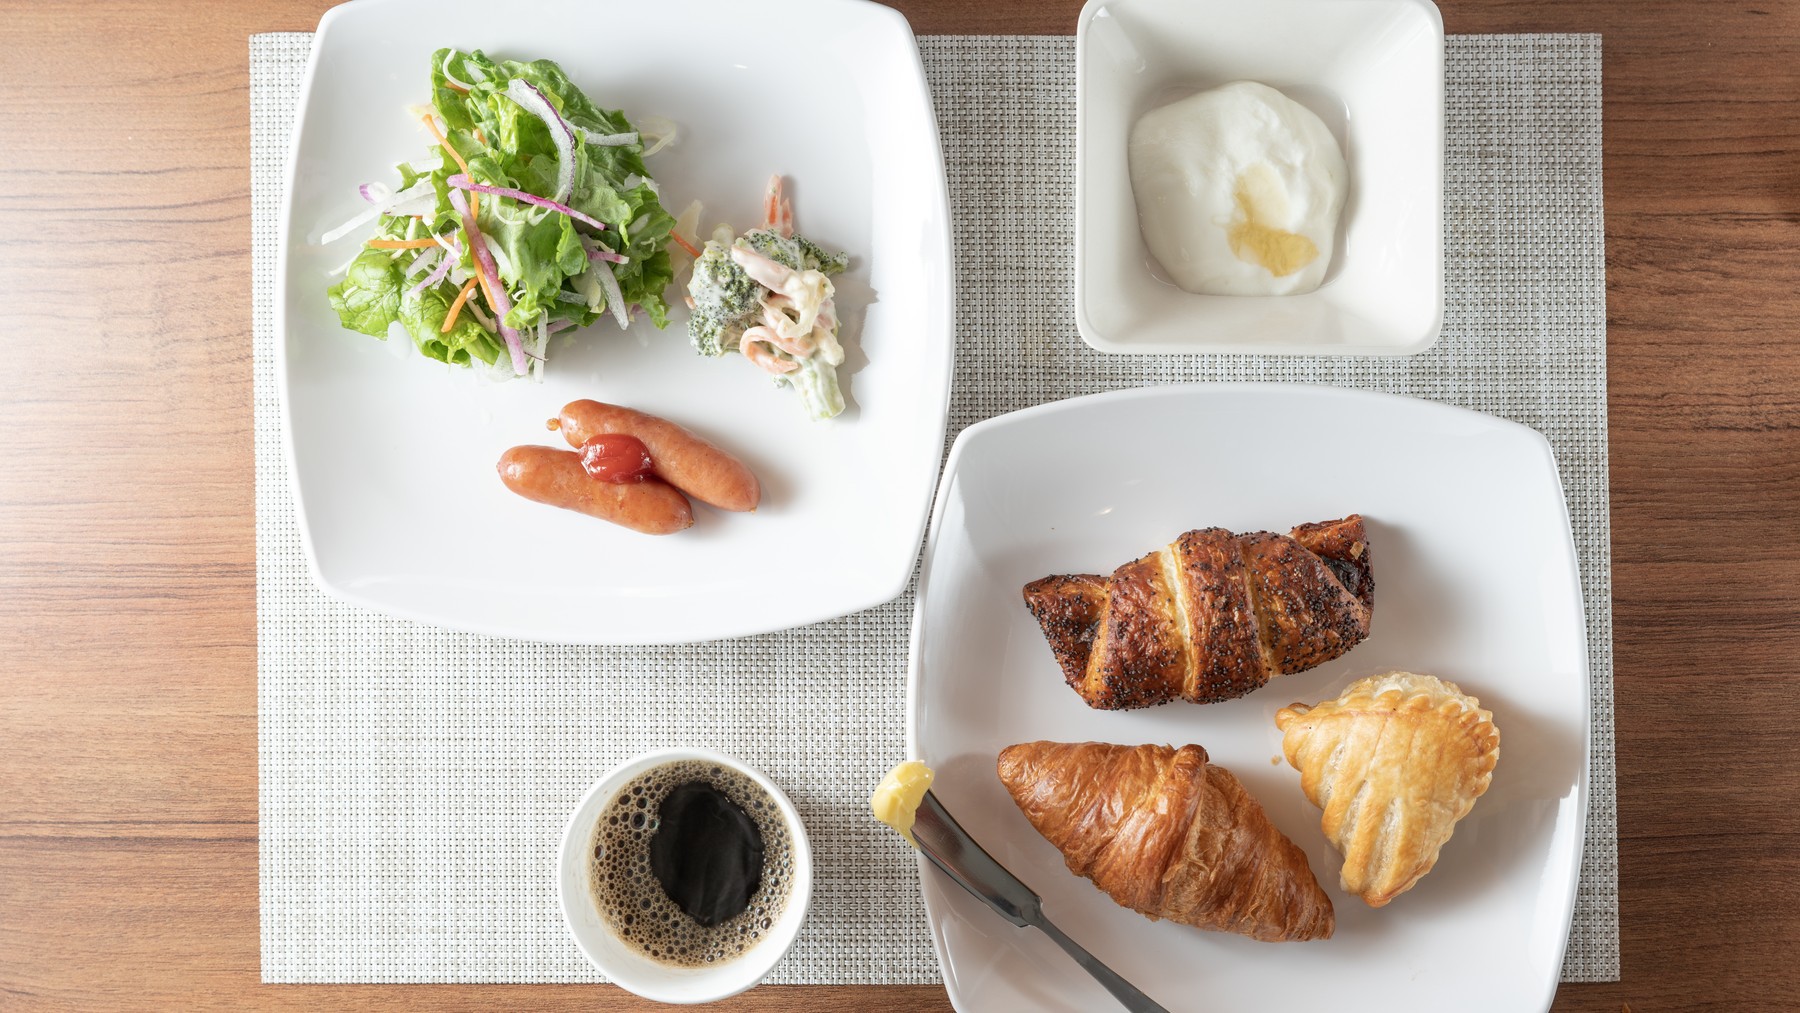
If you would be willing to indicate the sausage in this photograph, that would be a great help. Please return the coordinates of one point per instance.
(686, 461)
(556, 477)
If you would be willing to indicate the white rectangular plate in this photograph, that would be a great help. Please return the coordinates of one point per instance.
(1475, 579)
(393, 458)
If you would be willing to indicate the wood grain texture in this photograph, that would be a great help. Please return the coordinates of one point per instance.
(127, 637)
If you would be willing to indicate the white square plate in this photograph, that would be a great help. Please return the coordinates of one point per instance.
(1475, 579)
(393, 458)
(1373, 70)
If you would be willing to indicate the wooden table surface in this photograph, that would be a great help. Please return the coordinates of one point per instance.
(127, 635)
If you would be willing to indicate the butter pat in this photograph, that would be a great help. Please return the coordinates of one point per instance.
(1238, 191)
(897, 797)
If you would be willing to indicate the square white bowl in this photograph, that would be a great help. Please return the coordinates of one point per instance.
(392, 458)
(1373, 70)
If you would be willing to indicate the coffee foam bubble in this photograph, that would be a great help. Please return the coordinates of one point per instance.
(634, 904)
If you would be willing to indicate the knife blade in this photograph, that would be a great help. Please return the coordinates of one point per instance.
(948, 846)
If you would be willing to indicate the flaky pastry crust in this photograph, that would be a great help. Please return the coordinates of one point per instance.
(1393, 763)
(1168, 834)
(1211, 616)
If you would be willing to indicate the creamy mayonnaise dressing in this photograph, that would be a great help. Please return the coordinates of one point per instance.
(1238, 191)
(806, 292)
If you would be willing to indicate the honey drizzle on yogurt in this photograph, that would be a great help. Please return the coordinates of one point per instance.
(1260, 200)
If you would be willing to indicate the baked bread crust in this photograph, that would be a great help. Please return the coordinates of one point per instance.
(1165, 832)
(1393, 763)
(1210, 617)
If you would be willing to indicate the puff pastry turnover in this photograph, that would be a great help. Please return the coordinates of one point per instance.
(1394, 762)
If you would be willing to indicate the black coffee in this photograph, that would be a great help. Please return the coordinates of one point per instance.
(706, 853)
(692, 863)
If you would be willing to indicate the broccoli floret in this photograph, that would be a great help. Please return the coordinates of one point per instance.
(816, 382)
(773, 245)
(796, 251)
(711, 334)
(724, 300)
(818, 260)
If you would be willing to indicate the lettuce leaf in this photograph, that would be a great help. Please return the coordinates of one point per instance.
(539, 252)
(368, 299)
(424, 320)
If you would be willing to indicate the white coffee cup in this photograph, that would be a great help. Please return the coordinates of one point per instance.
(631, 968)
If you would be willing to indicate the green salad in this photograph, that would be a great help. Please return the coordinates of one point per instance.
(536, 214)
(768, 295)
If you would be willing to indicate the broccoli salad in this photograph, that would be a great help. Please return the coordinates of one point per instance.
(768, 295)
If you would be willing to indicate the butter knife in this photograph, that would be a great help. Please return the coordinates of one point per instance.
(950, 848)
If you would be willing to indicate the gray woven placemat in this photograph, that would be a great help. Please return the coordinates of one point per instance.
(414, 781)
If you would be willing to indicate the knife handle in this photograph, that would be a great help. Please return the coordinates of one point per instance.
(1122, 990)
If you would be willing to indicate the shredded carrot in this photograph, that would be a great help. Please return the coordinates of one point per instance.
(431, 125)
(456, 307)
(778, 211)
(772, 202)
(474, 199)
(480, 136)
(474, 206)
(402, 244)
(457, 88)
(684, 244)
(486, 289)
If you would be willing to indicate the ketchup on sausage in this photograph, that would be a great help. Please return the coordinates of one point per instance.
(617, 457)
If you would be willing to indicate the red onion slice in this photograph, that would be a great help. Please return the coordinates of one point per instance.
(615, 299)
(598, 252)
(462, 182)
(436, 276)
(369, 213)
(561, 134)
(426, 258)
(484, 264)
(601, 271)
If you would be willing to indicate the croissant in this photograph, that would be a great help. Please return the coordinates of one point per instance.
(1169, 835)
(1210, 617)
(1394, 762)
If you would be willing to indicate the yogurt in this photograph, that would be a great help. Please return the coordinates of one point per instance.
(1238, 191)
